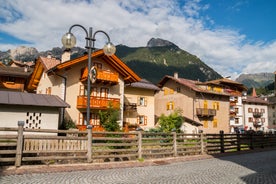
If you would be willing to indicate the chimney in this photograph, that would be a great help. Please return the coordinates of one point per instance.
(175, 75)
(65, 56)
(254, 94)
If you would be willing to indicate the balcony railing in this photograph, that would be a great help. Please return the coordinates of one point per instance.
(130, 107)
(98, 102)
(102, 75)
(105, 75)
(257, 114)
(205, 112)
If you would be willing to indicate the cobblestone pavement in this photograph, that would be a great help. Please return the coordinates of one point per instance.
(250, 168)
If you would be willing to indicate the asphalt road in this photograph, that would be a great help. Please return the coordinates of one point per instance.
(251, 168)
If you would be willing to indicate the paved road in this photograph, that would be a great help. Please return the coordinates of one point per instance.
(251, 168)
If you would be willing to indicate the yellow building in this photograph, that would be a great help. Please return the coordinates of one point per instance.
(139, 105)
(201, 104)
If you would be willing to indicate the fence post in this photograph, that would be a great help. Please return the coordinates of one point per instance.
(201, 143)
(251, 141)
(174, 144)
(19, 146)
(221, 141)
(238, 141)
(89, 143)
(139, 145)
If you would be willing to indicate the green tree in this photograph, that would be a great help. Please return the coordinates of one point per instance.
(109, 119)
(171, 122)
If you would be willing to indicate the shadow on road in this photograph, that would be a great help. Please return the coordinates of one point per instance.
(262, 163)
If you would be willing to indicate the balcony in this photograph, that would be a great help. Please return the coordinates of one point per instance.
(204, 112)
(104, 76)
(257, 114)
(98, 102)
(257, 124)
(232, 103)
(130, 107)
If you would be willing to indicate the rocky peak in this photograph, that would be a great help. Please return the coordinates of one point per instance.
(158, 42)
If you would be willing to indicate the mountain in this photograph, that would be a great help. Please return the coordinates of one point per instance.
(159, 58)
(258, 80)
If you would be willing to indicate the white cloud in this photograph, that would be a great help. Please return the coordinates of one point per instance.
(133, 23)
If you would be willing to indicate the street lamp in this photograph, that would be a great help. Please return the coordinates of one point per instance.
(69, 41)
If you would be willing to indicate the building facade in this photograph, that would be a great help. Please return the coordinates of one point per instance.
(204, 104)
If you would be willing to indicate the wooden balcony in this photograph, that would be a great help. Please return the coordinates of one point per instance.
(98, 102)
(104, 76)
(130, 107)
(257, 114)
(204, 112)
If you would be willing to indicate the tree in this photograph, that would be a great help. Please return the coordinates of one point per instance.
(109, 118)
(171, 122)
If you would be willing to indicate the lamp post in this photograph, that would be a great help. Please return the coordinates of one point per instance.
(69, 41)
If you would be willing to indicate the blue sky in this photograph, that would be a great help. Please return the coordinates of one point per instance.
(231, 36)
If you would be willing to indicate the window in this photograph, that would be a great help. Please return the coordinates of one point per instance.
(82, 90)
(215, 123)
(236, 120)
(170, 105)
(141, 120)
(273, 114)
(205, 124)
(263, 120)
(166, 91)
(262, 110)
(142, 101)
(256, 110)
(237, 110)
(250, 110)
(178, 89)
(216, 105)
(205, 104)
(48, 90)
(93, 91)
(104, 92)
(98, 65)
(250, 119)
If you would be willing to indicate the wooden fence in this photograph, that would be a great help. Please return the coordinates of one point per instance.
(19, 146)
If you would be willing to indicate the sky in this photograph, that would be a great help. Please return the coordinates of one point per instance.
(230, 36)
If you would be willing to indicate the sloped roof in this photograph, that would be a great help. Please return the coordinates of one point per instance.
(191, 84)
(49, 63)
(145, 84)
(227, 82)
(31, 99)
(114, 61)
(42, 63)
(15, 71)
(255, 100)
(192, 122)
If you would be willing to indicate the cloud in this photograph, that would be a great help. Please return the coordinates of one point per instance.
(131, 22)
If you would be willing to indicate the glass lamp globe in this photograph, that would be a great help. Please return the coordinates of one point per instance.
(109, 49)
(69, 40)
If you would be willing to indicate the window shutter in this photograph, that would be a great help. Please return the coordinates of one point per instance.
(168, 105)
(205, 104)
(145, 101)
(145, 120)
(172, 105)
